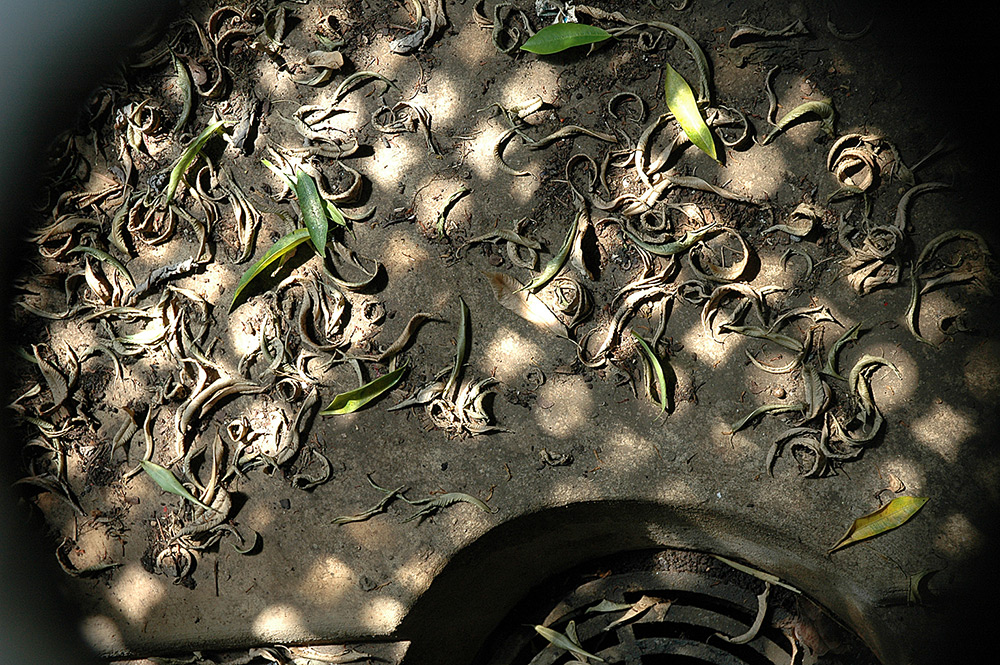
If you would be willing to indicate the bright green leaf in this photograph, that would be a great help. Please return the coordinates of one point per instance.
(168, 482)
(561, 36)
(681, 102)
(278, 250)
(886, 518)
(353, 400)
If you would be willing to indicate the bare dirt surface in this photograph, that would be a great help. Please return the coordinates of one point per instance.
(139, 339)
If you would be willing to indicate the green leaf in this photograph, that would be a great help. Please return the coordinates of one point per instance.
(658, 370)
(461, 348)
(101, 255)
(557, 262)
(168, 482)
(561, 36)
(312, 209)
(681, 102)
(888, 517)
(850, 335)
(278, 250)
(188, 156)
(353, 400)
(823, 109)
(766, 408)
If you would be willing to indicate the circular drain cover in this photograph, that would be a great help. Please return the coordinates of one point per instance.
(668, 607)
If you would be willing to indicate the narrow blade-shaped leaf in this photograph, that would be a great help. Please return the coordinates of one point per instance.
(278, 250)
(312, 209)
(681, 102)
(461, 348)
(557, 262)
(353, 400)
(188, 156)
(168, 482)
(766, 408)
(659, 371)
(563, 641)
(561, 36)
(888, 517)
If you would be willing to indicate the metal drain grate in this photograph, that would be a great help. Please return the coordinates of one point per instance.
(691, 599)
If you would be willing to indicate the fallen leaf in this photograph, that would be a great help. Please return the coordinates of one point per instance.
(564, 641)
(888, 517)
(681, 102)
(511, 294)
(279, 250)
(352, 400)
(168, 482)
(561, 36)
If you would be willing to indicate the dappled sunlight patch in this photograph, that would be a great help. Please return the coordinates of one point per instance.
(278, 623)
(417, 572)
(629, 452)
(102, 633)
(389, 167)
(911, 475)
(136, 592)
(442, 205)
(243, 331)
(563, 407)
(327, 579)
(571, 490)
(533, 77)
(758, 174)
(378, 533)
(443, 101)
(944, 429)
(957, 537)
(710, 352)
(981, 371)
(509, 355)
(381, 615)
(471, 49)
(402, 253)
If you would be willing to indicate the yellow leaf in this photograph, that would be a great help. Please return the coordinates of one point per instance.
(681, 102)
(886, 518)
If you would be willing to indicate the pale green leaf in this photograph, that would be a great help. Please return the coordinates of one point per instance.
(168, 482)
(561, 36)
(352, 400)
(681, 102)
(563, 641)
(461, 348)
(766, 408)
(557, 262)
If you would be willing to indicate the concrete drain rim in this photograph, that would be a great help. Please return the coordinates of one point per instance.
(704, 599)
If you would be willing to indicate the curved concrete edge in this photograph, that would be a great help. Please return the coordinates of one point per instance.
(485, 579)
